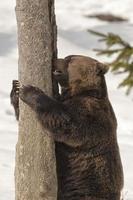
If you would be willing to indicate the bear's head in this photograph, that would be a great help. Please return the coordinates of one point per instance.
(80, 73)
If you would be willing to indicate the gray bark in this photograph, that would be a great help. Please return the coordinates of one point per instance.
(35, 171)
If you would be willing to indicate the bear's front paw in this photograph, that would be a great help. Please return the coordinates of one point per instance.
(29, 95)
(14, 95)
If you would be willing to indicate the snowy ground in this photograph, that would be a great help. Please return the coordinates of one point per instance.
(73, 39)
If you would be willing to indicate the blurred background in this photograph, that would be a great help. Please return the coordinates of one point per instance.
(74, 18)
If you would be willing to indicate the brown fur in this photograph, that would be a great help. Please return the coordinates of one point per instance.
(83, 125)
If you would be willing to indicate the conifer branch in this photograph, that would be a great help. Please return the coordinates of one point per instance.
(123, 61)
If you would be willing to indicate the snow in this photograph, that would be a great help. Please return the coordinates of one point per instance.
(73, 39)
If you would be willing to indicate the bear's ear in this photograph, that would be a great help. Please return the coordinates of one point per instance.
(102, 68)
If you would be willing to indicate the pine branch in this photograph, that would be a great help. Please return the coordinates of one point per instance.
(97, 33)
(107, 51)
(123, 62)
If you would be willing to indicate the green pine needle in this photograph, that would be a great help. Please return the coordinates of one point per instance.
(123, 62)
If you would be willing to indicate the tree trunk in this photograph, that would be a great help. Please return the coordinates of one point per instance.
(35, 171)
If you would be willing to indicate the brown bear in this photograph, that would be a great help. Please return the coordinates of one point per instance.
(83, 125)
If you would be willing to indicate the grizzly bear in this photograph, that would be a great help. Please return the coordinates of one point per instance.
(83, 125)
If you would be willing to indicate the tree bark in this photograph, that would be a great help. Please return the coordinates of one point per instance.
(35, 171)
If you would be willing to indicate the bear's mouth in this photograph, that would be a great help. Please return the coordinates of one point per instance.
(57, 73)
(61, 78)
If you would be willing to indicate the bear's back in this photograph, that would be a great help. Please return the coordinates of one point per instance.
(86, 170)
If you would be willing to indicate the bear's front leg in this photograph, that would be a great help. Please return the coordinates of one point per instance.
(53, 116)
